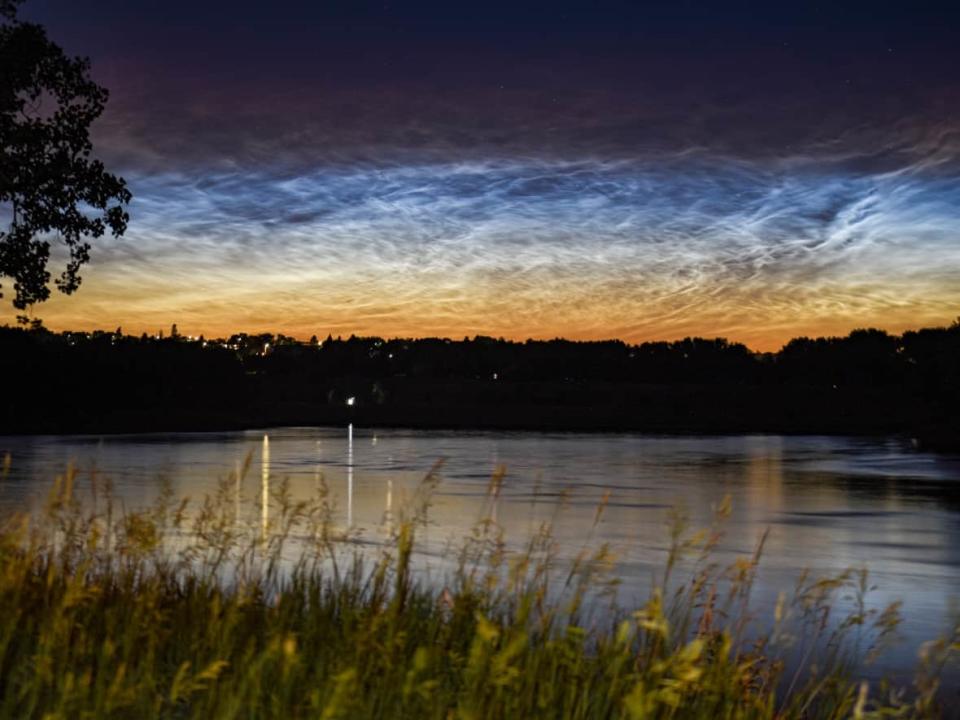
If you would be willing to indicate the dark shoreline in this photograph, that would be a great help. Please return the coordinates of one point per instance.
(867, 384)
(477, 419)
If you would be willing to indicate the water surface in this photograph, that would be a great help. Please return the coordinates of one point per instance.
(826, 503)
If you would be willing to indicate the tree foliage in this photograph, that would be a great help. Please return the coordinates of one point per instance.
(51, 187)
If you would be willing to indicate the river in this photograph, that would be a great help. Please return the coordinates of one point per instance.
(825, 503)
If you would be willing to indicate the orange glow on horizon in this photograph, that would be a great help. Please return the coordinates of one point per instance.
(763, 329)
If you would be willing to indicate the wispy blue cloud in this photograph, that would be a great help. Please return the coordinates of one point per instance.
(594, 247)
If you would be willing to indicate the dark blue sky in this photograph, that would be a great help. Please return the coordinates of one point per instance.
(777, 73)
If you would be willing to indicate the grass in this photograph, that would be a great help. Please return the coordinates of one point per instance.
(175, 611)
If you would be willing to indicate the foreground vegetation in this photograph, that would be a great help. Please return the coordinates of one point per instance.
(179, 611)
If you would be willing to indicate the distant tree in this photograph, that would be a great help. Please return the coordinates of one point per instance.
(50, 185)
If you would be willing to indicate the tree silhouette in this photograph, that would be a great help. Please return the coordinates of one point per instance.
(50, 185)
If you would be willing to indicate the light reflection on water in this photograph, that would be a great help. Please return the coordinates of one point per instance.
(829, 503)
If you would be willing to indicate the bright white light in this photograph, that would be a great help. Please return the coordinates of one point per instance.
(351, 400)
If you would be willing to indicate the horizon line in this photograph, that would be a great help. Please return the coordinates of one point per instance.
(196, 337)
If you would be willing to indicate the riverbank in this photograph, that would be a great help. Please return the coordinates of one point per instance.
(869, 383)
(107, 620)
(547, 407)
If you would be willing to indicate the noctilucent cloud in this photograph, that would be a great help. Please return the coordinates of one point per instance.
(586, 170)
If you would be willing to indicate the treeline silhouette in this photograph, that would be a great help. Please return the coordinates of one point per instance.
(867, 382)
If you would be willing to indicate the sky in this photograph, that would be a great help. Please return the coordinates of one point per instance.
(587, 170)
